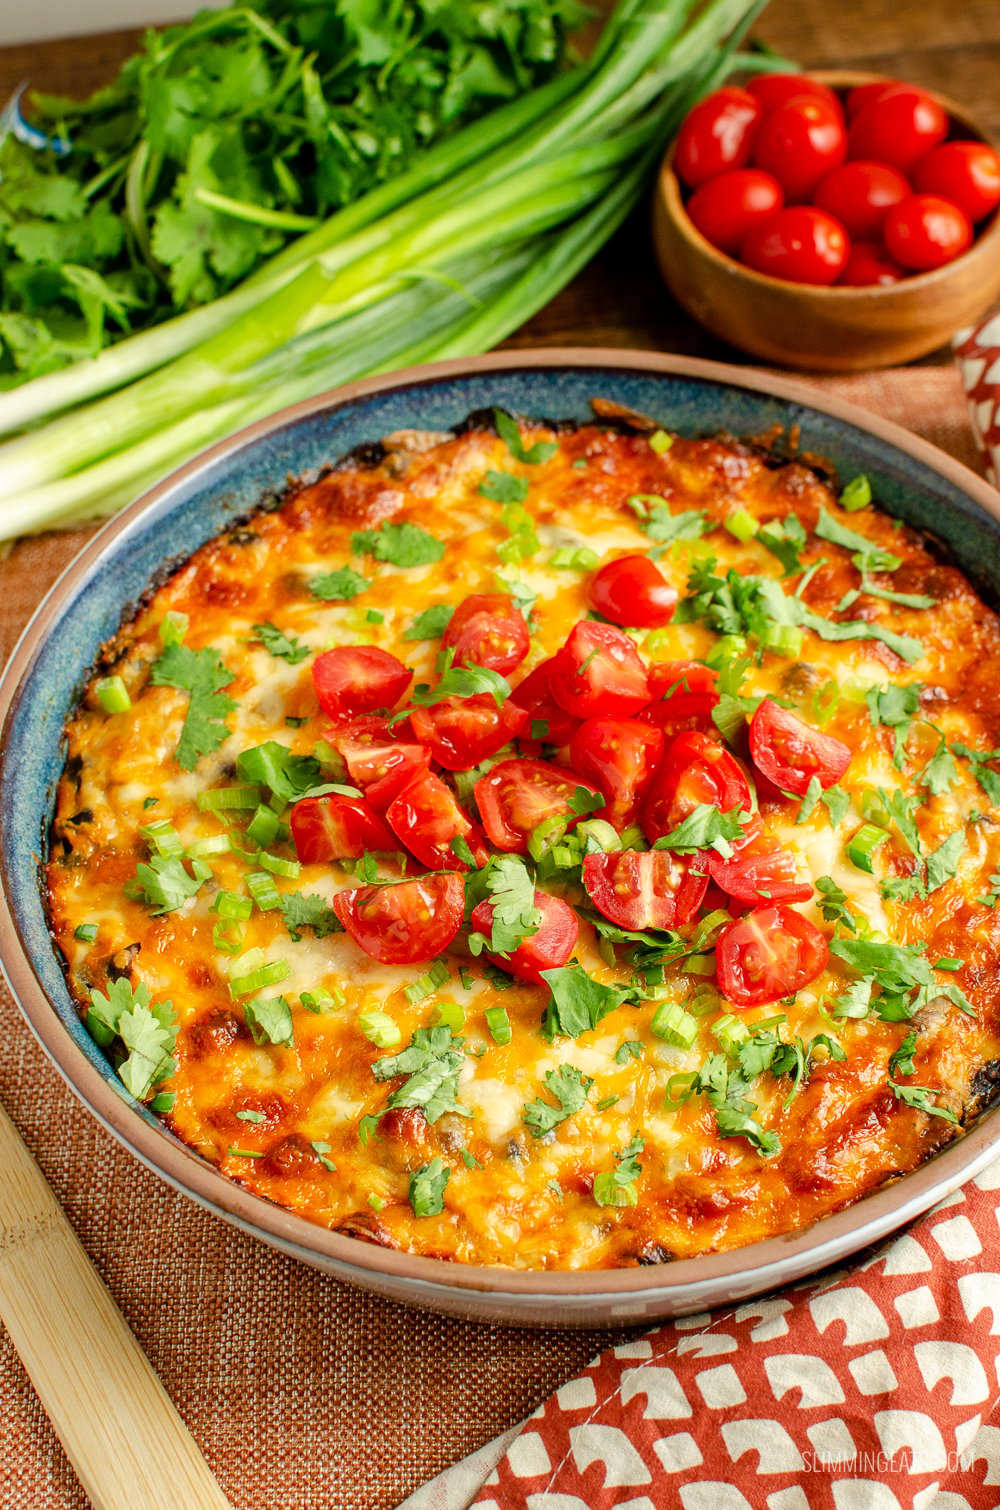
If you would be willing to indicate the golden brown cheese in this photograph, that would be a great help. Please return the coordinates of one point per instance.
(524, 1201)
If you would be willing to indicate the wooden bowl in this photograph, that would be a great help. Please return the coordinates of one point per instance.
(817, 328)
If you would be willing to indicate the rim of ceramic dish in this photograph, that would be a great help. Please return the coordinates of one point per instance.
(753, 1268)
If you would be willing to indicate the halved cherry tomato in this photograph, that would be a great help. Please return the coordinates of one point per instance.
(535, 694)
(776, 89)
(358, 679)
(518, 795)
(800, 244)
(759, 872)
(379, 756)
(790, 753)
(859, 195)
(488, 629)
(462, 731)
(768, 954)
(694, 770)
(333, 827)
(633, 591)
(681, 692)
(426, 817)
(656, 889)
(899, 127)
(619, 755)
(868, 263)
(799, 143)
(405, 923)
(548, 949)
(726, 208)
(717, 134)
(967, 173)
(598, 673)
(925, 232)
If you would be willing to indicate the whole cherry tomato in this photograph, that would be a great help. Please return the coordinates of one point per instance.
(925, 232)
(967, 173)
(727, 207)
(717, 134)
(406, 923)
(798, 144)
(900, 127)
(800, 244)
(547, 949)
(859, 194)
(869, 263)
(633, 591)
(775, 89)
(770, 953)
(864, 95)
(790, 753)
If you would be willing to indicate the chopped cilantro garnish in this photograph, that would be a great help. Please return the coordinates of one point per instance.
(164, 884)
(868, 556)
(511, 891)
(504, 487)
(338, 586)
(569, 1087)
(617, 1187)
(705, 828)
(902, 1062)
(584, 801)
(921, 1098)
(273, 765)
(459, 847)
(427, 1187)
(940, 773)
(833, 904)
(312, 911)
(988, 780)
(250, 1116)
(430, 624)
(895, 706)
(630, 1049)
(509, 431)
(578, 1002)
(202, 674)
(462, 681)
(399, 544)
(468, 1159)
(146, 1029)
(725, 1090)
(658, 522)
(785, 539)
(942, 863)
(431, 1062)
(282, 646)
(269, 1019)
(367, 1128)
(321, 1150)
(834, 798)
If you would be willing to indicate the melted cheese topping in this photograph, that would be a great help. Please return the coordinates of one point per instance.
(524, 1201)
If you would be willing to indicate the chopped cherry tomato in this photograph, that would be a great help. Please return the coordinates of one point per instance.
(898, 127)
(770, 953)
(864, 95)
(548, 949)
(859, 194)
(633, 591)
(967, 173)
(426, 817)
(759, 872)
(358, 679)
(518, 795)
(869, 263)
(681, 692)
(799, 143)
(652, 890)
(925, 232)
(694, 770)
(405, 923)
(790, 753)
(799, 244)
(488, 629)
(726, 208)
(619, 755)
(535, 694)
(776, 89)
(598, 673)
(379, 757)
(717, 134)
(333, 827)
(462, 731)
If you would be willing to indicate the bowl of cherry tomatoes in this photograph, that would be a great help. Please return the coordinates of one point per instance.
(834, 221)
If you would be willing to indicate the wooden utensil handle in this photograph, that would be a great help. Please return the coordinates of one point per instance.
(119, 1427)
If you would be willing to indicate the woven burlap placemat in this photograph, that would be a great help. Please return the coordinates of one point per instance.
(303, 1393)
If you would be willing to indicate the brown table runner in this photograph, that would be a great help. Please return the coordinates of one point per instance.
(301, 1392)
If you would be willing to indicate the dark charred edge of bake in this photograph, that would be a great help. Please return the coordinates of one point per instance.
(367, 455)
(985, 1088)
(363, 1227)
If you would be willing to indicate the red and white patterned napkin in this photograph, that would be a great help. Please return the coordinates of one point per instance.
(977, 350)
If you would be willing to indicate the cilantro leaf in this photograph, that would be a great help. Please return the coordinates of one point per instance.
(732, 710)
(632, 1048)
(312, 911)
(901, 1062)
(584, 801)
(785, 539)
(461, 681)
(896, 968)
(203, 675)
(988, 780)
(921, 1098)
(570, 1088)
(430, 624)
(147, 1030)
(732, 1122)
(942, 863)
(940, 773)
(658, 522)
(282, 646)
(509, 431)
(399, 544)
(164, 884)
(617, 1187)
(427, 1187)
(873, 557)
(431, 1062)
(833, 904)
(269, 1019)
(895, 706)
(504, 487)
(578, 1002)
(512, 894)
(705, 828)
(274, 766)
(338, 586)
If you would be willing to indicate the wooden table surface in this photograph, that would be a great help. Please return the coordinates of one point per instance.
(619, 300)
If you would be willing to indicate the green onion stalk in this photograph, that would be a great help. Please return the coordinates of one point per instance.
(444, 261)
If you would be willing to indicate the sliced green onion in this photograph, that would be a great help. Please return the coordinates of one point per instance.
(657, 638)
(568, 559)
(742, 524)
(267, 975)
(380, 1029)
(320, 1000)
(680, 1088)
(853, 690)
(376, 1203)
(235, 908)
(948, 963)
(86, 933)
(704, 1000)
(163, 1103)
(173, 627)
(112, 694)
(857, 494)
(710, 923)
(863, 845)
(783, 639)
(243, 1153)
(824, 702)
(330, 759)
(215, 844)
(227, 937)
(219, 799)
(730, 1033)
(448, 1014)
(437, 975)
(265, 826)
(498, 1023)
(263, 890)
(598, 834)
(660, 441)
(699, 964)
(730, 647)
(163, 837)
(611, 1192)
(633, 837)
(674, 1025)
(279, 867)
(873, 807)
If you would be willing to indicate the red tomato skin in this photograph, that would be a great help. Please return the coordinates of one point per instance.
(799, 244)
(771, 953)
(695, 769)
(358, 679)
(717, 134)
(406, 923)
(654, 889)
(759, 873)
(798, 144)
(461, 731)
(517, 795)
(863, 95)
(725, 209)
(548, 949)
(925, 232)
(379, 757)
(966, 173)
(609, 684)
(488, 629)
(790, 753)
(412, 760)
(773, 90)
(868, 264)
(534, 693)
(334, 827)
(619, 756)
(632, 591)
(425, 817)
(859, 194)
(690, 704)
(899, 127)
